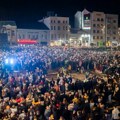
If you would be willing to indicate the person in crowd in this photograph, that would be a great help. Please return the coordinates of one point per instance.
(29, 95)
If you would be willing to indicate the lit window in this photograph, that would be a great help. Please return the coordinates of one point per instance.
(86, 18)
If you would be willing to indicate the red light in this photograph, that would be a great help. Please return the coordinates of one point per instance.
(27, 41)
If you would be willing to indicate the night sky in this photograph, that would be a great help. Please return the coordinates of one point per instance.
(23, 11)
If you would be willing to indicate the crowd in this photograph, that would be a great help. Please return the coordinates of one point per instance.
(29, 95)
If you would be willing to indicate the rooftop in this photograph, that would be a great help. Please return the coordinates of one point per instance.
(35, 25)
(12, 23)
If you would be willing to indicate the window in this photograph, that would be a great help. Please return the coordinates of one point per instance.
(66, 28)
(51, 36)
(58, 36)
(98, 19)
(29, 36)
(23, 36)
(54, 28)
(86, 18)
(33, 37)
(98, 25)
(114, 32)
(58, 27)
(42, 36)
(114, 37)
(114, 21)
(97, 37)
(55, 36)
(66, 21)
(36, 37)
(94, 31)
(58, 21)
(63, 21)
(51, 27)
(8, 32)
(101, 37)
(45, 36)
(94, 37)
(19, 36)
(97, 31)
(63, 27)
(66, 36)
(94, 25)
(63, 36)
(12, 33)
(51, 21)
(102, 19)
(108, 38)
(54, 21)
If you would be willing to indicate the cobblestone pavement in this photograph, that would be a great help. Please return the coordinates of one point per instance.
(74, 75)
(53, 74)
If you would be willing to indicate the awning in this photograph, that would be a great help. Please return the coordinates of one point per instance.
(27, 41)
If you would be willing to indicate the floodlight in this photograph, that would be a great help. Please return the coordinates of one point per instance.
(6, 61)
(11, 61)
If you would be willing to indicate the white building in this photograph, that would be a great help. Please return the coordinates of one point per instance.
(82, 26)
(100, 27)
(35, 31)
(59, 28)
(9, 27)
(79, 37)
(111, 28)
(78, 20)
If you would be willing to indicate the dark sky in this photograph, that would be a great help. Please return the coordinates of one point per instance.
(33, 10)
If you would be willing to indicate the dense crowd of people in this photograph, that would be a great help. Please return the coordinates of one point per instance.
(27, 94)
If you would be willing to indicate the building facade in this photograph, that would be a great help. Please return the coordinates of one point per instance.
(79, 37)
(98, 27)
(111, 28)
(119, 35)
(38, 32)
(59, 28)
(101, 27)
(78, 20)
(10, 28)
